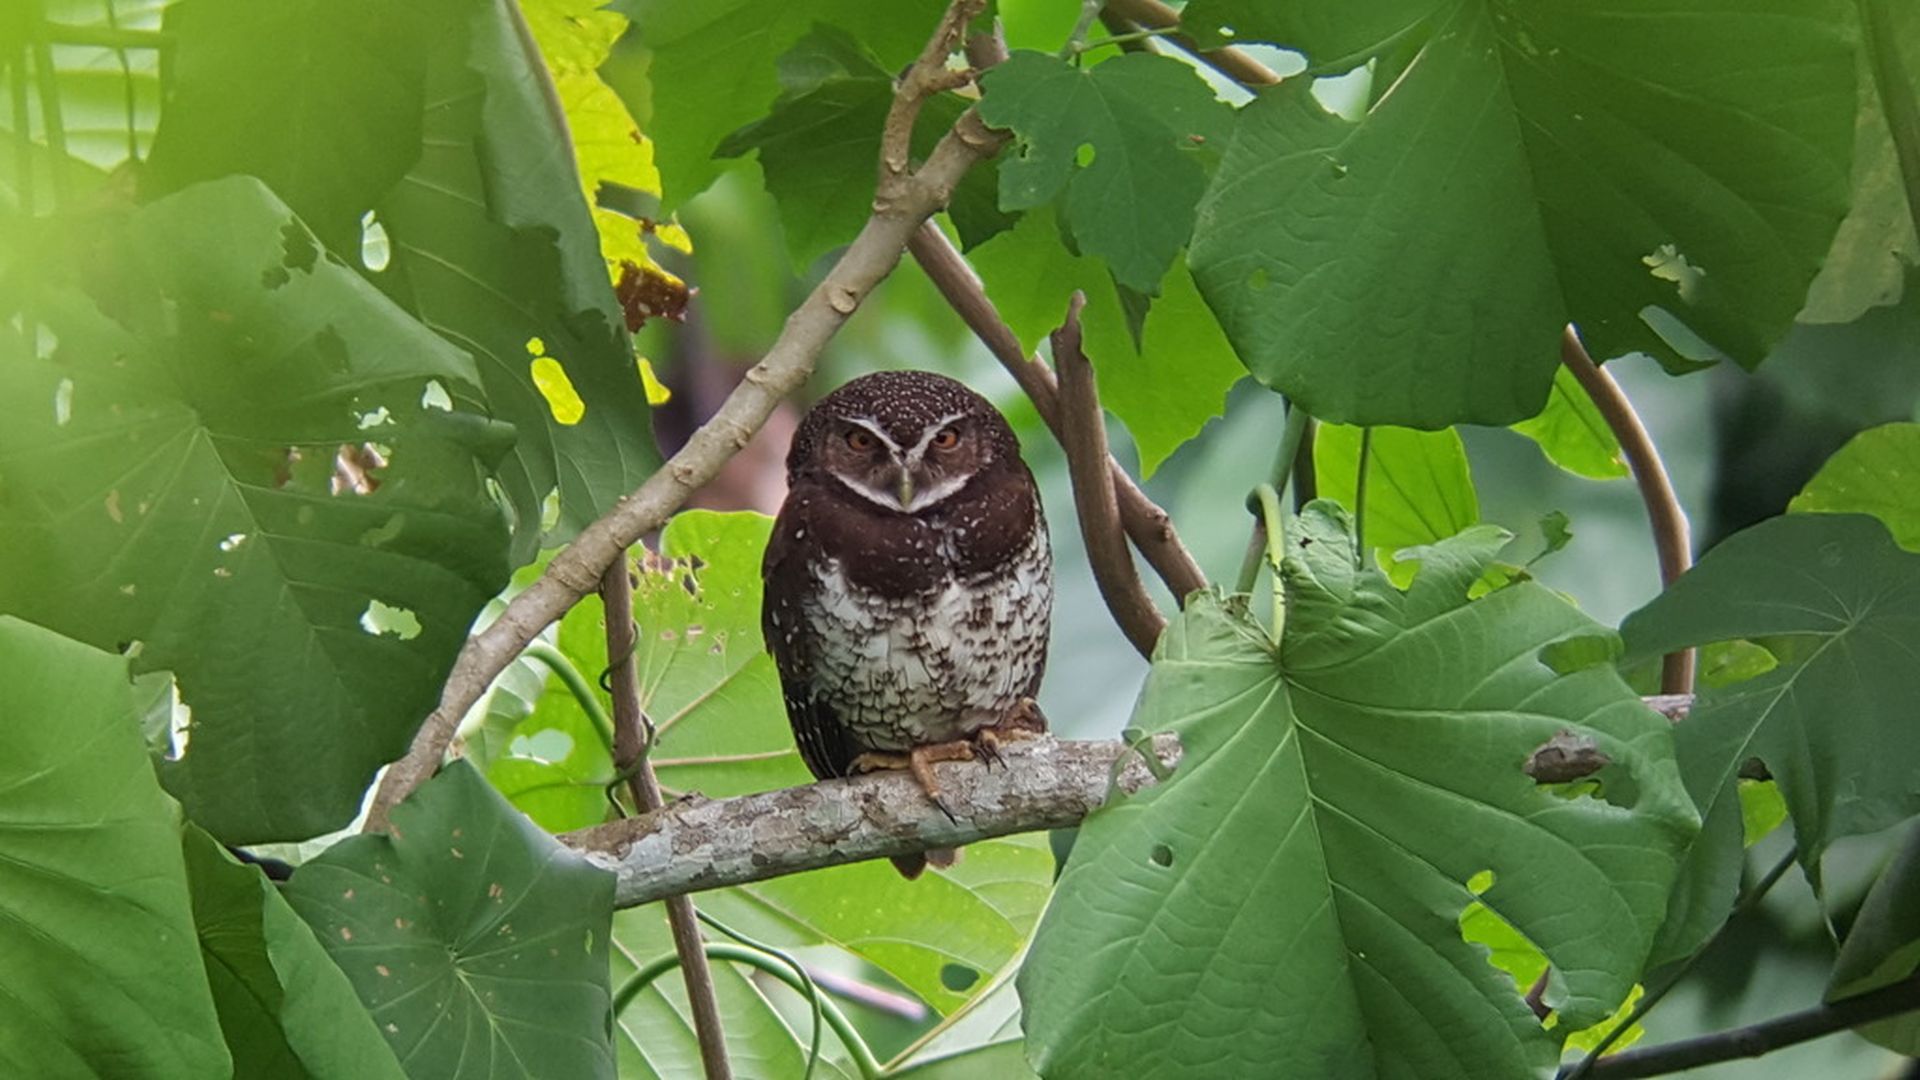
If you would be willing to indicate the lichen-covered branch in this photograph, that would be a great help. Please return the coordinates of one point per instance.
(1147, 525)
(1083, 434)
(903, 201)
(698, 843)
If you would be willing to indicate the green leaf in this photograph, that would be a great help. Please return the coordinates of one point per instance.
(981, 1041)
(285, 1009)
(1129, 140)
(1336, 38)
(1419, 487)
(102, 974)
(1166, 388)
(477, 941)
(713, 67)
(1336, 801)
(1762, 810)
(1883, 946)
(327, 92)
(493, 247)
(1600, 164)
(556, 766)
(655, 1033)
(1572, 433)
(1832, 721)
(242, 482)
(1877, 473)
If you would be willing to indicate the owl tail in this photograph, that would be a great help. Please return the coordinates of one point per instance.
(910, 866)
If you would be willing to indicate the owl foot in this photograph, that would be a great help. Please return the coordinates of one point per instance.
(919, 761)
(1022, 720)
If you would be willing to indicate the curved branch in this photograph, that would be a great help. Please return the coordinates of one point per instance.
(1147, 525)
(698, 843)
(1083, 434)
(901, 204)
(1670, 534)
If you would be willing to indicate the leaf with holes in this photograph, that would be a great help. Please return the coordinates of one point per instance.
(93, 888)
(229, 470)
(1840, 605)
(478, 942)
(1288, 903)
(1130, 141)
(1643, 172)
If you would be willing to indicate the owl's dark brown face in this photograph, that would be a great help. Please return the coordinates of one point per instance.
(904, 441)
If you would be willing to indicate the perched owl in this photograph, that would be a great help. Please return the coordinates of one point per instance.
(909, 582)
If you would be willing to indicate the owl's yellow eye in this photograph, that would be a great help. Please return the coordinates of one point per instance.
(860, 440)
(946, 439)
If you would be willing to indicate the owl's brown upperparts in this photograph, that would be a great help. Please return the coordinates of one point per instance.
(904, 441)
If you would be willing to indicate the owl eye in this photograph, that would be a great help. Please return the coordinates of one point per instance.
(860, 440)
(946, 439)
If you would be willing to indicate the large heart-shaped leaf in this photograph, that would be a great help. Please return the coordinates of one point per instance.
(227, 468)
(285, 1008)
(1419, 488)
(1617, 165)
(1833, 721)
(1877, 473)
(478, 942)
(1288, 903)
(100, 967)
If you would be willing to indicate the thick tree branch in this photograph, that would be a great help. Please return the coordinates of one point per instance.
(1083, 434)
(1671, 539)
(1148, 526)
(903, 201)
(1231, 62)
(701, 843)
(630, 747)
(1764, 1037)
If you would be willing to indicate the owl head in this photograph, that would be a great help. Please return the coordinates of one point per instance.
(905, 441)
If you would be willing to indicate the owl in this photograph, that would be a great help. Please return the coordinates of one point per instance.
(909, 583)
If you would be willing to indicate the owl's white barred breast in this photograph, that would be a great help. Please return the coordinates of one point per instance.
(934, 666)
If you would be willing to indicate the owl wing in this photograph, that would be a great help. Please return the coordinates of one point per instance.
(824, 742)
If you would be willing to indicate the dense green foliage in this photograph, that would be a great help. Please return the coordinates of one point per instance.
(321, 324)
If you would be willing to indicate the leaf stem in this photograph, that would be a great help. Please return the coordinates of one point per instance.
(1749, 898)
(1076, 41)
(808, 987)
(862, 1055)
(1127, 38)
(1360, 498)
(1275, 524)
(576, 684)
(51, 122)
(1279, 476)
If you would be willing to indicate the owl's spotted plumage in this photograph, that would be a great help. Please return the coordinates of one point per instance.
(909, 577)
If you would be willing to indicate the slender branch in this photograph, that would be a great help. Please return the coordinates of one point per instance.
(1229, 61)
(697, 843)
(1147, 525)
(1292, 438)
(901, 204)
(1764, 1037)
(1084, 437)
(630, 757)
(1670, 534)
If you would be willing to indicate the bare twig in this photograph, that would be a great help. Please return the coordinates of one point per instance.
(630, 756)
(1147, 525)
(1670, 535)
(1764, 1037)
(700, 843)
(901, 204)
(1229, 61)
(1083, 434)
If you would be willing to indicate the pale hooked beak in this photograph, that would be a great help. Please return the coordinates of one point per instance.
(905, 489)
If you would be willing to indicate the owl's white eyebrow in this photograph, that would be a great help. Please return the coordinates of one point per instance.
(933, 429)
(874, 427)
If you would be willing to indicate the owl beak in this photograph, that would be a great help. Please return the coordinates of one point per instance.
(905, 490)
